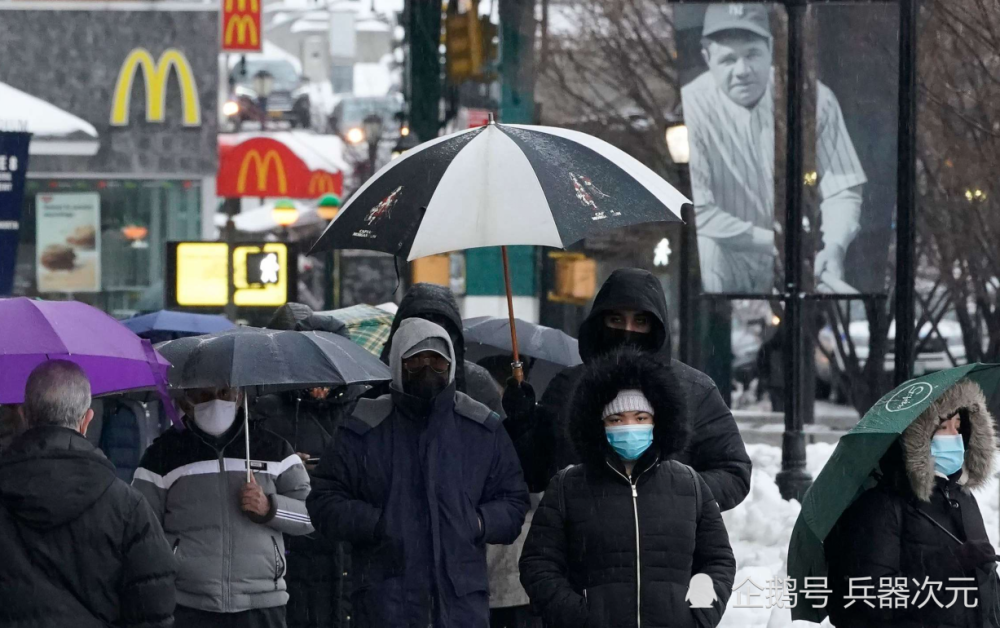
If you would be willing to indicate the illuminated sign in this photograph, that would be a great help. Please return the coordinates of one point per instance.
(321, 183)
(262, 167)
(264, 274)
(156, 75)
(241, 25)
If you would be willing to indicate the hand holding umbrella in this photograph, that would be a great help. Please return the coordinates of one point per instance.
(252, 498)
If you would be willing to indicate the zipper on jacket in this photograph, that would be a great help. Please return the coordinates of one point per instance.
(226, 550)
(633, 484)
(176, 543)
(279, 566)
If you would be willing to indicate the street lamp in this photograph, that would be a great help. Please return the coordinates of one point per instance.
(328, 207)
(677, 143)
(263, 83)
(285, 214)
(405, 143)
(372, 125)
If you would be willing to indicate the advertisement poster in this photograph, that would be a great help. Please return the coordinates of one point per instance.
(728, 64)
(68, 257)
(13, 166)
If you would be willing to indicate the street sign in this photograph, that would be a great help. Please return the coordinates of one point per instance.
(241, 24)
(264, 274)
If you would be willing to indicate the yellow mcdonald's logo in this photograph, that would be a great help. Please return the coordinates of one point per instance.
(241, 5)
(321, 183)
(155, 75)
(241, 25)
(263, 169)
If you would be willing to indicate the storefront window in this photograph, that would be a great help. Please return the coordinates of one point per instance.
(121, 270)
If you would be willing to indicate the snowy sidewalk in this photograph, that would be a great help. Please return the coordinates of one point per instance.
(760, 527)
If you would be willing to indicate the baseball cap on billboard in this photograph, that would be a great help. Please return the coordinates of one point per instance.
(736, 16)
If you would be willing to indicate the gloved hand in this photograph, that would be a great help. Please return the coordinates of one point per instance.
(518, 401)
(971, 554)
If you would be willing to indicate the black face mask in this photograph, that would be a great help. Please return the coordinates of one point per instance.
(611, 338)
(425, 383)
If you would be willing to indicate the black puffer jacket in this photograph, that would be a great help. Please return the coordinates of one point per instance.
(581, 559)
(888, 532)
(80, 547)
(716, 449)
(437, 304)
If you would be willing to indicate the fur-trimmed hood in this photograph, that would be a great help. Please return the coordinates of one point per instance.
(977, 432)
(622, 370)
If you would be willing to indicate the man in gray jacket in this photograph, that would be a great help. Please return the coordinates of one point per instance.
(225, 532)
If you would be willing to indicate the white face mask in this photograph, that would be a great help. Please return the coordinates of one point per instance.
(215, 417)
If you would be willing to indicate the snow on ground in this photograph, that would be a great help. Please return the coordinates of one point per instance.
(760, 527)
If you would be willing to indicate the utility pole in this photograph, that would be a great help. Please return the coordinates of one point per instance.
(424, 34)
(517, 61)
(232, 207)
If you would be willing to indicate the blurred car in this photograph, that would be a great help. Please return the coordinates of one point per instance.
(348, 117)
(287, 102)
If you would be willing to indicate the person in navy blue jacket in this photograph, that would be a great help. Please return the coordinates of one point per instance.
(418, 482)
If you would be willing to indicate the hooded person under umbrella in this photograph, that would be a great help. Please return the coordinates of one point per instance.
(437, 304)
(631, 309)
(922, 524)
(418, 481)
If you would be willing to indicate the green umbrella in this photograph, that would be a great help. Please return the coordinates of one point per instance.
(849, 470)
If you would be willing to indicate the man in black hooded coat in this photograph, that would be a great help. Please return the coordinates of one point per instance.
(437, 304)
(716, 449)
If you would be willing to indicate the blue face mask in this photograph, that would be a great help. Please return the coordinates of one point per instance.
(948, 452)
(630, 441)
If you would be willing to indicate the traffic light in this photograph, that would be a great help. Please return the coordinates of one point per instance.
(470, 41)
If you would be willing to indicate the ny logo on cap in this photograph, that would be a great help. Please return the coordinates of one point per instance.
(736, 9)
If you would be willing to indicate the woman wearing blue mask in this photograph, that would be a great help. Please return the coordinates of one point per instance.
(921, 522)
(618, 540)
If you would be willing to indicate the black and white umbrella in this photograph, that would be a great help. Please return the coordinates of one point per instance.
(501, 185)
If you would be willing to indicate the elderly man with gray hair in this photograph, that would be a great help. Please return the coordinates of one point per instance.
(80, 546)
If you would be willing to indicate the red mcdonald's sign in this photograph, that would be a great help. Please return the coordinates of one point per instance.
(241, 24)
(265, 167)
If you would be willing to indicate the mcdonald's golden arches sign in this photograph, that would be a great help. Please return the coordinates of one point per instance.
(156, 73)
(267, 167)
(241, 25)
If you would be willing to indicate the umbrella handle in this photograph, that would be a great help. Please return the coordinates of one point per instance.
(246, 433)
(516, 365)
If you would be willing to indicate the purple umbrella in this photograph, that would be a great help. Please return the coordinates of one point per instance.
(113, 357)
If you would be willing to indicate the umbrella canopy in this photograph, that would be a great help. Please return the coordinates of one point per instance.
(114, 358)
(548, 351)
(501, 185)
(848, 472)
(369, 327)
(538, 341)
(248, 357)
(167, 325)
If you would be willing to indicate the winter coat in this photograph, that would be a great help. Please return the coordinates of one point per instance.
(229, 561)
(716, 449)
(317, 570)
(418, 487)
(437, 304)
(607, 549)
(80, 547)
(887, 533)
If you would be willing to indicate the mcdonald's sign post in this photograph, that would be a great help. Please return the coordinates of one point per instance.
(156, 75)
(241, 24)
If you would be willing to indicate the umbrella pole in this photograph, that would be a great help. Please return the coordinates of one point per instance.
(516, 365)
(246, 434)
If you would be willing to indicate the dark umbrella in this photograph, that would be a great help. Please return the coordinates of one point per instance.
(266, 360)
(849, 471)
(168, 325)
(550, 350)
(501, 185)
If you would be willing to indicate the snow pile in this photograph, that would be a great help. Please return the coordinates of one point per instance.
(760, 528)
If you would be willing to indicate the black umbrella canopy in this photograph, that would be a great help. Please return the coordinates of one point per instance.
(501, 185)
(249, 357)
(537, 341)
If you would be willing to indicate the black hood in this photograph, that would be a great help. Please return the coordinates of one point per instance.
(438, 305)
(626, 289)
(52, 475)
(627, 369)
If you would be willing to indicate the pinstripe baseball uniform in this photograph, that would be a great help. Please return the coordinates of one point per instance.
(732, 178)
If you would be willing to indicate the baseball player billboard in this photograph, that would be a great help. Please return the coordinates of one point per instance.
(727, 59)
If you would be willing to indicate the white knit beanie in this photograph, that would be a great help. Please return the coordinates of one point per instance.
(628, 401)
